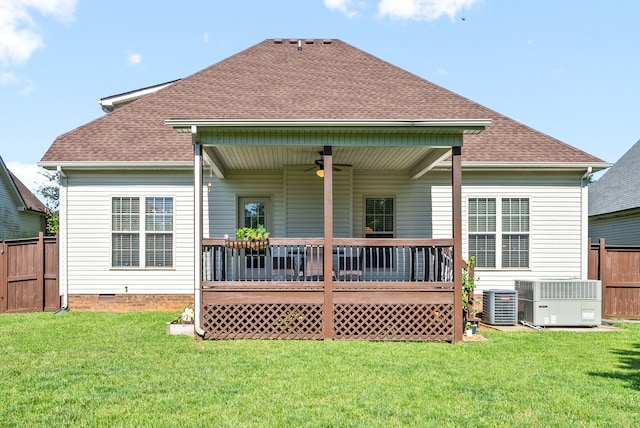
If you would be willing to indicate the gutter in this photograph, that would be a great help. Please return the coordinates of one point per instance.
(197, 245)
(152, 165)
(62, 255)
(584, 216)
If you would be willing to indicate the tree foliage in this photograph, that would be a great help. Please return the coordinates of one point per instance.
(50, 191)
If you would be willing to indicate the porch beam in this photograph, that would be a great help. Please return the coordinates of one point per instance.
(214, 162)
(327, 311)
(456, 186)
(464, 126)
(429, 161)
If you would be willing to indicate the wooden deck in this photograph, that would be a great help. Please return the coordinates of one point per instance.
(373, 289)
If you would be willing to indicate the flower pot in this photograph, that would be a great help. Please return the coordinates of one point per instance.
(469, 332)
(180, 329)
(245, 244)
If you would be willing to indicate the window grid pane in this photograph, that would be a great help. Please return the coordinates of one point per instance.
(125, 214)
(255, 214)
(379, 215)
(483, 248)
(515, 215)
(125, 250)
(515, 251)
(159, 250)
(159, 214)
(482, 215)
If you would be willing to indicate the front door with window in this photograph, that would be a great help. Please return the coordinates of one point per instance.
(254, 212)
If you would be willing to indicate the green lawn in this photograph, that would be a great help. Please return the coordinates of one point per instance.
(97, 369)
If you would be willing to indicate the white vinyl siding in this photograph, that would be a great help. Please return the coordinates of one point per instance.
(555, 222)
(422, 210)
(88, 232)
(297, 201)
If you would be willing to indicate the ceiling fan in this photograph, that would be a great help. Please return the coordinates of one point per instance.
(319, 163)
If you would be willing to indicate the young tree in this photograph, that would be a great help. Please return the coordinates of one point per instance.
(50, 191)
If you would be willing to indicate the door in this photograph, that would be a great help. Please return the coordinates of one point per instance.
(253, 212)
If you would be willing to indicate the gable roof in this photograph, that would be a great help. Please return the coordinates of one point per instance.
(617, 189)
(325, 79)
(28, 200)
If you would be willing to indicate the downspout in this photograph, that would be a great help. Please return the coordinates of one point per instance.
(197, 231)
(62, 237)
(584, 200)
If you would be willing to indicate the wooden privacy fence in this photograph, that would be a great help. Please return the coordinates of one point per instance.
(29, 274)
(618, 267)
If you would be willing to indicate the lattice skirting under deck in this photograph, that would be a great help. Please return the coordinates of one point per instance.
(351, 321)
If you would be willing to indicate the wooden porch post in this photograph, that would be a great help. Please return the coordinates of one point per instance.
(327, 312)
(456, 185)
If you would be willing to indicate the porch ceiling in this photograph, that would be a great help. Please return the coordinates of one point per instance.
(262, 157)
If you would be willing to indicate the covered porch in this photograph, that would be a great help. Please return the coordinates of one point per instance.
(330, 286)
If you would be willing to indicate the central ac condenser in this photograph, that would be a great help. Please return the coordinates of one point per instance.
(555, 302)
(500, 307)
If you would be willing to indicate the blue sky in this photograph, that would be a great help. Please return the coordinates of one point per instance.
(568, 68)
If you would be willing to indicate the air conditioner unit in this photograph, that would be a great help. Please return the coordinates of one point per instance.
(500, 307)
(560, 302)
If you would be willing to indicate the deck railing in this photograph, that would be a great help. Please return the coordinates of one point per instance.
(296, 260)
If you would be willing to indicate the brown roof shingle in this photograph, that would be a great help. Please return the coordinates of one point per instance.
(275, 80)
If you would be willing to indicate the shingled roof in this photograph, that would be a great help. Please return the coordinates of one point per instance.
(326, 79)
(617, 189)
(29, 200)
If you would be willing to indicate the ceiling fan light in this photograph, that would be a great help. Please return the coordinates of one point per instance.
(320, 172)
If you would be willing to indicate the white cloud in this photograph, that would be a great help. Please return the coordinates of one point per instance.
(29, 174)
(19, 33)
(343, 6)
(205, 37)
(133, 58)
(9, 78)
(428, 10)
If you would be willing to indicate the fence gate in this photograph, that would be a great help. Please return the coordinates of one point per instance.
(618, 267)
(29, 275)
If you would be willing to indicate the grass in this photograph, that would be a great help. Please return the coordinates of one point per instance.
(122, 370)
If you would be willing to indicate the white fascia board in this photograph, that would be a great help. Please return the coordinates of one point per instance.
(116, 165)
(466, 126)
(108, 103)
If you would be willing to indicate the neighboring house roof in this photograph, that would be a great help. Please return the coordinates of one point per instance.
(28, 199)
(617, 190)
(326, 79)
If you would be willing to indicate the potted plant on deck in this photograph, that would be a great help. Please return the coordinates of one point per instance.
(184, 323)
(249, 238)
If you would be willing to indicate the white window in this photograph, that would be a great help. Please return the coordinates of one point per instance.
(379, 219)
(133, 240)
(512, 231)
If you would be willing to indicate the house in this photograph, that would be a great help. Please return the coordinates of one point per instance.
(374, 184)
(614, 202)
(22, 214)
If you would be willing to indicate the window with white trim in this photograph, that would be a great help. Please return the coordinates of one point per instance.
(379, 218)
(499, 232)
(133, 240)
(515, 233)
